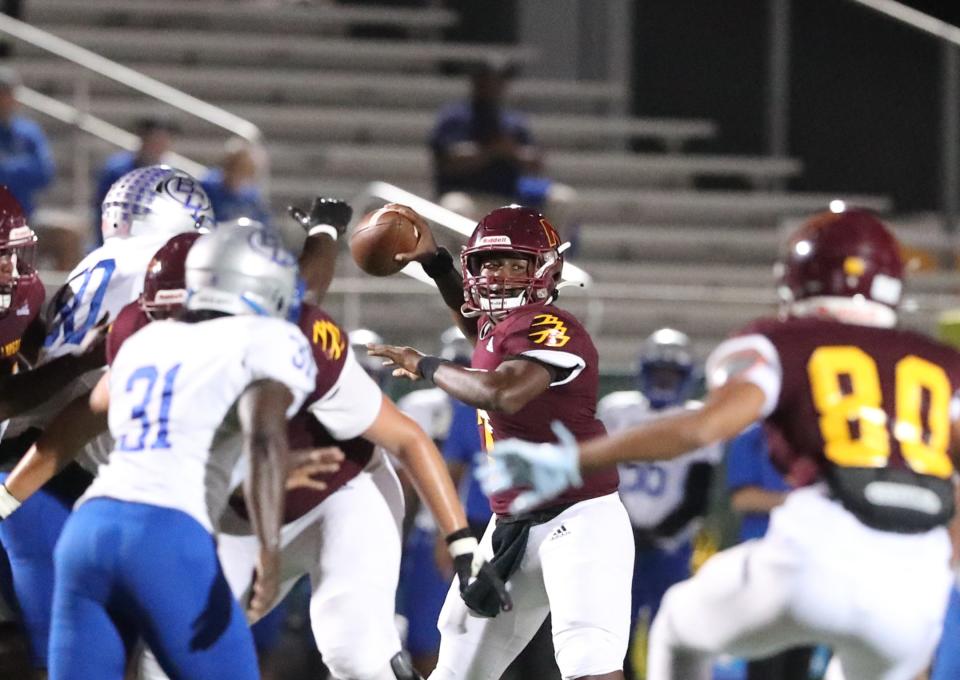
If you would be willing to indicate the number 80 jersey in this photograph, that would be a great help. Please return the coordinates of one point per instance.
(845, 397)
(172, 386)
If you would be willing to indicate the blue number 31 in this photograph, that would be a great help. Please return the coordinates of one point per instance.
(150, 375)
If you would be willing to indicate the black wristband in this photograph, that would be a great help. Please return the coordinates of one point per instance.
(427, 366)
(458, 534)
(440, 263)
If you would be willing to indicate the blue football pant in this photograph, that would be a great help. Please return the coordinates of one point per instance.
(125, 570)
(29, 536)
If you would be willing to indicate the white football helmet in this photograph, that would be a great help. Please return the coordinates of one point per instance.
(241, 268)
(155, 199)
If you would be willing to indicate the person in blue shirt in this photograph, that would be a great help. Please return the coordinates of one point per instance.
(232, 186)
(755, 485)
(156, 139)
(26, 164)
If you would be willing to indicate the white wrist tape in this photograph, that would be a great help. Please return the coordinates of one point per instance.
(8, 504)
(462, 546)
(324, 229)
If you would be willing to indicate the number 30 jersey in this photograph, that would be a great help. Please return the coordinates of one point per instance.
(869, 409)
(104, 281)
(172, 386)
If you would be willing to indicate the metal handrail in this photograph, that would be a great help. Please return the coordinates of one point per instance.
(97, 127)
(127, 76)
(917, 19)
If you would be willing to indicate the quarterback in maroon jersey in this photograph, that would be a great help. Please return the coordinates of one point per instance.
(866, 415)
(533, 362)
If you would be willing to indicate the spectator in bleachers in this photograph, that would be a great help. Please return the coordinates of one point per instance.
(26, 164)
(156, 139)
(484, 154)
(232, 187)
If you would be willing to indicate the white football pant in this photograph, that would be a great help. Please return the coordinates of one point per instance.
(578, 567)
(819, 576)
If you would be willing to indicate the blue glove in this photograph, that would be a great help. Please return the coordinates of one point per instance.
(548, 469)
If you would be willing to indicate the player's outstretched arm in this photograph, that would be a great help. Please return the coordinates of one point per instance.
(79, 422)
(424, 464)
(549, 469)
(421, 459)
(727, 411)
(325, 223)
(262, 411)
(23, 391)
(507, 389)
(438, 264)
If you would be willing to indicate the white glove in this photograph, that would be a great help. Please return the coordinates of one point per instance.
(548, 469)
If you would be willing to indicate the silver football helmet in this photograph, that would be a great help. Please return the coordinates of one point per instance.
(155, 199)
(241, 268)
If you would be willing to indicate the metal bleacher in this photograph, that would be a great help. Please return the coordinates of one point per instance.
(338, 111)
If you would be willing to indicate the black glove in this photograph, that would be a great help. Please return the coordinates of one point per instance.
(324, 211)
(481, 587)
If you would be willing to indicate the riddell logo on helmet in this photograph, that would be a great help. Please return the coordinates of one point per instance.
(494, 241)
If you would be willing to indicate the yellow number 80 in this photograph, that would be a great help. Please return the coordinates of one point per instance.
(847, 395)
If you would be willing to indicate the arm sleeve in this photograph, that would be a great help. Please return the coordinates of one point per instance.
(282, 353)
(751, 358)
(351, 405)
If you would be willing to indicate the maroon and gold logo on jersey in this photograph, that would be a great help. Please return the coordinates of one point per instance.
(11, 348)
(549, 330)
(328, 335)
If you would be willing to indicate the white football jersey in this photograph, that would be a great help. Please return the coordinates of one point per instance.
(651, 491)
(172, 385)
(102, 284)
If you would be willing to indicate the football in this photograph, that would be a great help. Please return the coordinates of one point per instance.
(378, 237)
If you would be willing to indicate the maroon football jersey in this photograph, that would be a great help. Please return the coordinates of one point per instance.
(330, 346)
(859, 397)
(130, 319)
(539, 330)
(25, 305)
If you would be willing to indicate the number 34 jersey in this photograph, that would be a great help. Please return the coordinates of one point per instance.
(172, 385)
(842, 396)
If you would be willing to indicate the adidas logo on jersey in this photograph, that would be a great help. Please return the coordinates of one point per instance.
(24, 310)
(559, 532)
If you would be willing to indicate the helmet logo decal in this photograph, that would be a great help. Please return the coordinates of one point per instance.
(552, 239)
(854, 266)
(187, 192)
(268, 244)
(555, 333)
(494, 241)
(328, 335)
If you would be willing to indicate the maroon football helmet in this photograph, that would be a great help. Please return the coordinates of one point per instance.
(164, 285)
(511, 231)
(834, 255)
(18, 244)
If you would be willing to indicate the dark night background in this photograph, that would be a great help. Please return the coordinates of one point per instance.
(865, 90)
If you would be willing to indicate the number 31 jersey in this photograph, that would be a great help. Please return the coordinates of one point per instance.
(842, 396)
(172, 385)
